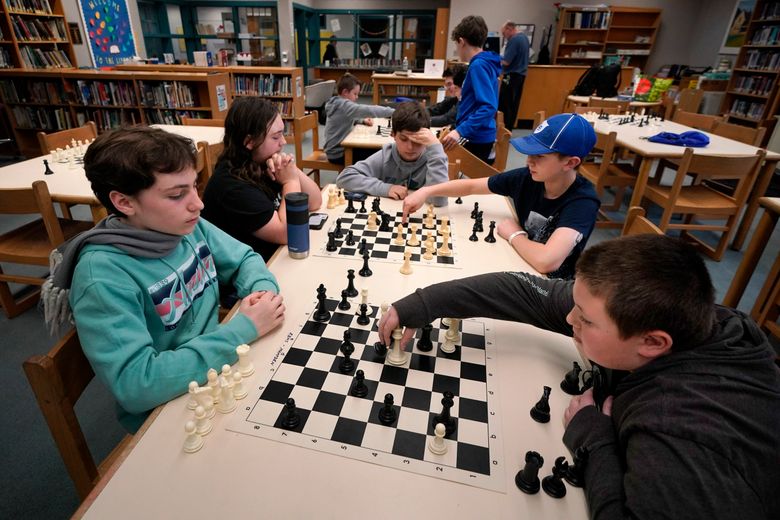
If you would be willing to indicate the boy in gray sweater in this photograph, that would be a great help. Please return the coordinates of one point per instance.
(414, 159)
(343, 112)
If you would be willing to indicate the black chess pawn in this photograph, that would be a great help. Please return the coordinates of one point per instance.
(458, 201)
(344, 303)
(351, 290)
(363, 319)
(641, 123)
(365, 270)
(424, 344)
(475, 210)
(331, 245)
(541, 410)
(322, 313)
(474, 236)
(363, 206)
(491, 236)
(350, 206)
(362, 248)
(347, 348)
(350, 238)
(571, 381)
(291, 418)
(575, 473)
(527, 479)
(359, 388)
(48, 170)
(378, 129)
(387, 414)
(444, 417)
(553, 484)
(338, 232)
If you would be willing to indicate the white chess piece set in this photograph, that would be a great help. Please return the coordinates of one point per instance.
(219, 395)
(336, 197)
(74, 152)
(429, 222)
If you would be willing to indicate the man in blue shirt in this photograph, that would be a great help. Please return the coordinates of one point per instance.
(514, 65)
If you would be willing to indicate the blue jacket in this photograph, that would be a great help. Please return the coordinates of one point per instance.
(479, 99)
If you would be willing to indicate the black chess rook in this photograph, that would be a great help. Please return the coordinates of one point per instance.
(527, 479)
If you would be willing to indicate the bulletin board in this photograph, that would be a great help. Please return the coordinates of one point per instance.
(108, 29)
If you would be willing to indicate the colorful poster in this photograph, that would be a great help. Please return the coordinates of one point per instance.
(110, 35)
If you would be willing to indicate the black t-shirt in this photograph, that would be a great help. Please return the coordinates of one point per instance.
(577, 208)
(240, 208)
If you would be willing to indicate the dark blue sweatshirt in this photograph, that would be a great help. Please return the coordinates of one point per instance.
(479, 99)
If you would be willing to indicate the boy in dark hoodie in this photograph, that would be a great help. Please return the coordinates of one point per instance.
(476, 119)
(414, 159)
(690, 429)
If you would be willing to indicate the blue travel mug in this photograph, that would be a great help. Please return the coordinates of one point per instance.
(297, 224)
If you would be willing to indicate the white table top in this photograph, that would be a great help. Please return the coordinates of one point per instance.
(241, 476)
(363, 136)
(584, 100)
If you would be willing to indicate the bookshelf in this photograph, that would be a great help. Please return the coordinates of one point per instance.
(588, 35)
(281, 85)
(49, 101)
(753, 93)
(34, 35)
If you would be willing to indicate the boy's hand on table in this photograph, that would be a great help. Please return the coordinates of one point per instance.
(398, 192)
(265, 309)
(578, 402)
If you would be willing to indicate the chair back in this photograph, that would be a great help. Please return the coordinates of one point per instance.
(538, 118)
(58, 379)
(318, 94)
(743, 134)
(34, 200)
(49, 142)
(189, 121)
(604, 148)
(209, 158)
(317, 160)
(697, 121)
(621, 105)
(470, 165)
(689, 99)
(502, 150)
(606, 110)
(637, 224)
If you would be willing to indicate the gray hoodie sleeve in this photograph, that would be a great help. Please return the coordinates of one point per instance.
(365, 176)
(438, 172)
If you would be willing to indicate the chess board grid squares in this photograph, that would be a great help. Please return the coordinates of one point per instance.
(372, 371)
(288, 373)
(448, 459)
(337, 383)
(472, 327)
(448, 367)
(420, 380)
(472, 355)
(319, 361)
(357, 408)
(378, 437)
(412, 420)
(388, 388)
(473, 390)
(304, 397)
(320, 424)
(473, 432)
(265, 412)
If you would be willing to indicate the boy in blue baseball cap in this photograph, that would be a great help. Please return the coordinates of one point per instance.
(556, 208)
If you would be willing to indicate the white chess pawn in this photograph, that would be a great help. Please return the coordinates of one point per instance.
(445, 250)
(245, 365)
(226, 372)
(406, 268)
(194, 441)
(445, 224)
(227, 403)
(436, 444)
(239, 392)
(399, 235)
(191, 389)
(332, 198)
(202, 421)
(428, 255)
(213, 384)
(397, 356)
(413, 240)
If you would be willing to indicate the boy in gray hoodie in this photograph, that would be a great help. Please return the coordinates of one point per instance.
(342, 113)
(414, 159)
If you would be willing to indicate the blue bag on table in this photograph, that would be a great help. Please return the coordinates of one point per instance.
(691, 138)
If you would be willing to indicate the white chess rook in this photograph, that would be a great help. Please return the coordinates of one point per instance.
(245, 365)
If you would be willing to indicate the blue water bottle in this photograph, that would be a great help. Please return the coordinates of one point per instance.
(297, 224)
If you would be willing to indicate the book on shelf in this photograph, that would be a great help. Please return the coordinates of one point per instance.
(30, 6)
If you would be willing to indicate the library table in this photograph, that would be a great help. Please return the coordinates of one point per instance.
(576, 101)
(237, 475)
(211, 134)
(363, 136)
(432, 83)
(634, 138)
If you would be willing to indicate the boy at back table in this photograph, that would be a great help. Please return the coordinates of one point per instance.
(556, 207)
(414, 159)
(142, 284)
(343, 111)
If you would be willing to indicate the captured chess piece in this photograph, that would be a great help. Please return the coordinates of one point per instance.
(445, 418)
(365, 271)
(363, 318)
(491, 237)
(48, 170)
(387, 414)
(359, 388)
(322, 313)
(575, 473)
(344, 303)
(571, 381)
(541, 410)
(291, 417)
(347, 348)
(527, 479)
(553, 484)
(424, 344)
(351, 290)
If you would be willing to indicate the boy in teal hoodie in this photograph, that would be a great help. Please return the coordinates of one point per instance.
(143, 283)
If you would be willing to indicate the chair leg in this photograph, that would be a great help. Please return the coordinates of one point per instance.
(12, 307)
(315, 175)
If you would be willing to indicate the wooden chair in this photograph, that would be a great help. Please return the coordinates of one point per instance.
(637, 224)
(621, 105)
(608, 173)
(189, 121)
(699, 121)
(316, 160)
(58, 379)
(31, 243)
(689, 100)
(538, 118)
(667, 101)
(700, 200)
(49, 142)
(211, 153)
(607, 110)
(743, 134)
(502, 150)
(462, 161)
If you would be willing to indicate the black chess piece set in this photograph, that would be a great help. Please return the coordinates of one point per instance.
(476, 215)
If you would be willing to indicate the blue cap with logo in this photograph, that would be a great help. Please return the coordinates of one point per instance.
(567, 134)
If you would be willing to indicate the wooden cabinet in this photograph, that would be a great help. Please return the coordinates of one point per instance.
(753, 92)
(34, 35)
(50, 101)
(588, 35)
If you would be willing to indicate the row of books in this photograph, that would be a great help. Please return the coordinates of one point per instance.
(168, 94)
(262, 85)
(758, 85)
(37, 30)
(762, 60)
(751, 109)
(768, 35)
(403, 90)
(35, 58)
(42, 118)
(105, 93)
(770, 10)
(167, 117)
(29, 6)
(5, 59)
(106, 119)
(588, 20)
(47, 92)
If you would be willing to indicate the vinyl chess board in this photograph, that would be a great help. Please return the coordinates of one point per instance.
(381, 244)
(306, 368)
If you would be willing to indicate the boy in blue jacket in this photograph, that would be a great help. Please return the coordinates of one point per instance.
(142, 284)
(476, 119)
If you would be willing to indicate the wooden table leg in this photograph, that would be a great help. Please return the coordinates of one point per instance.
(98, 212)
(347, 156)
(759, 189)
(641, 182)
(375, 93)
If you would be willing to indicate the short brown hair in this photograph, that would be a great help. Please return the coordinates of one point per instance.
(652, 282)
(410, 116)
(347, 82)
(472, 29)
(127, 159)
